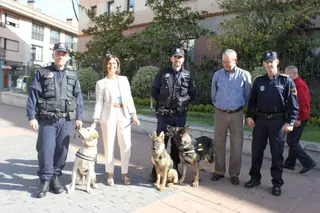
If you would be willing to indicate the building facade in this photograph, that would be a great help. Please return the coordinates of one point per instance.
(27, 36)
(143, 16)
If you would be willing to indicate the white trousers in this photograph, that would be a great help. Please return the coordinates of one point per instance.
(114, 129)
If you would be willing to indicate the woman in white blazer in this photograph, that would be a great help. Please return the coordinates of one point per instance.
(114, 109)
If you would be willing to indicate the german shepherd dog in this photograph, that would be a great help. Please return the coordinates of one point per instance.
(162, 162)
(191, 150)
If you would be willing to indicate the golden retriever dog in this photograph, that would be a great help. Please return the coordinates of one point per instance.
(83, 172)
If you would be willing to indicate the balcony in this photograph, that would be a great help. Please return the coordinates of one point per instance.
(2, 53)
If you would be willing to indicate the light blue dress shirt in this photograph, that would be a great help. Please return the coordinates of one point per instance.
(231, 90)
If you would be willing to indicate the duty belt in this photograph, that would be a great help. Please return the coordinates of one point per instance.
(270, 116)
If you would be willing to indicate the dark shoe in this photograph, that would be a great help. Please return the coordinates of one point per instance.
(216, 177)
(43, 188)
(55, 185)
(286, 166)
(252, 183)
(235, 180)
(276, 191)
(304, 169)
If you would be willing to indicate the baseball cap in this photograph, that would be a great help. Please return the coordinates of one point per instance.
(269, 56)
(178, 52)
(60, 47)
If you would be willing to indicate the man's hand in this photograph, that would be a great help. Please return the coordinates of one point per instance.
(287, 127)
(297, 123)
(34, 124)
(78, 123)
(250, 122)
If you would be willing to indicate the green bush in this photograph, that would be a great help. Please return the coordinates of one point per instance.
(258, 71)
(142, 80)
(88, 79)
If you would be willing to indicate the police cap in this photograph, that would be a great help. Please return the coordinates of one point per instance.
(60, 47)
(178, 52)
(269, 56)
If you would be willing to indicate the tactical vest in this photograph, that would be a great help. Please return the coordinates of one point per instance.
(57, 99)
(174, 94)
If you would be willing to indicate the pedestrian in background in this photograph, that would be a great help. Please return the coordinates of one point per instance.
(54, 100)
(230, 92)
(272, 112)
(293, 138)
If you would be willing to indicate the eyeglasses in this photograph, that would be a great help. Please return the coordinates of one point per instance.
(229, 61)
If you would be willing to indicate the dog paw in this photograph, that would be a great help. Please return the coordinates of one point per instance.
(89, 190)
(95, 186)
(70, 191)
(156, 185)
(169, 184)
(161, 188)
(195, 184)
(180, 181)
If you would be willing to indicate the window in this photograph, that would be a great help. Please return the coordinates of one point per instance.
(94, 10)
(54, 36)
(9, 44)
(130, 4)
(11, 20)
(69, 41)
(37, 32)
(39, 53)
(110, 7)
(50, 59)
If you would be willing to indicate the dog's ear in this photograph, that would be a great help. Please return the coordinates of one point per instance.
(161, 135)
(154, 134)
(184, 130)
(95, 134)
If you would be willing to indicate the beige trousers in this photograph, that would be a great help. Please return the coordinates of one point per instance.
(114, 129)
(234, 122)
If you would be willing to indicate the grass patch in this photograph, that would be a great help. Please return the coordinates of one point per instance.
(310, 133)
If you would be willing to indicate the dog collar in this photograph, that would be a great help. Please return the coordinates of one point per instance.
(85, 157)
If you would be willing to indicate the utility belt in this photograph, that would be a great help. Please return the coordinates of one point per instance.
(170, 112)
(272, 116)
(52, 115)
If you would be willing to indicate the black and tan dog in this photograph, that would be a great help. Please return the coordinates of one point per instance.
(162, 162)
(191, 150)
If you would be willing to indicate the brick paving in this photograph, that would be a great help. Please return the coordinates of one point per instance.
(18, 182)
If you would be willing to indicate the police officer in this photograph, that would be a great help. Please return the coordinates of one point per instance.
(272, 111)
(54, 100)
(172, 89)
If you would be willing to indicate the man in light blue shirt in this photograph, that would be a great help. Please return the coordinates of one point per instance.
(230, 92)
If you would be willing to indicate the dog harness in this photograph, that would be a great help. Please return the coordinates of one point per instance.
(85, 157)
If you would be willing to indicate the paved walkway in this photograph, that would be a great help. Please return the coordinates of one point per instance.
(18, 182)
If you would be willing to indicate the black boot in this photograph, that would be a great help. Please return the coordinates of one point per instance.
(153, 175)
(175, 166)
(43, 188)
(55, 185)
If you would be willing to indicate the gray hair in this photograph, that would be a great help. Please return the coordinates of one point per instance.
(292, 69)
(230, 52)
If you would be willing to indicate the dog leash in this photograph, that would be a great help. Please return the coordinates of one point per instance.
(140, 127)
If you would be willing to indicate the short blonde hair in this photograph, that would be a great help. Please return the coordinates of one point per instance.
(106, 61)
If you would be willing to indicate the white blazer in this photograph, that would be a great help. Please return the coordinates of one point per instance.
(103, 106)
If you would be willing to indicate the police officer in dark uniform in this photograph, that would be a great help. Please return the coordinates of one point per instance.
(272, 111)
(172, 89)
(54, 100)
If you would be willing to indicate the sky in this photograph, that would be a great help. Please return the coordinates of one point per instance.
(61, 9)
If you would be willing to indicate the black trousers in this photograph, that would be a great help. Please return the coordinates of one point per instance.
(295, 149)
(268, 129)
(52, 146)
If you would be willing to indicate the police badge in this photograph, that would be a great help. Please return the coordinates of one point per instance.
(262, 88)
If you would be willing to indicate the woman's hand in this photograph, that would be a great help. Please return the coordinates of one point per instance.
(135, 120)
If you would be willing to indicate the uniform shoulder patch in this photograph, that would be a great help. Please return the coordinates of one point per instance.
(285, 75)
(294, 91)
